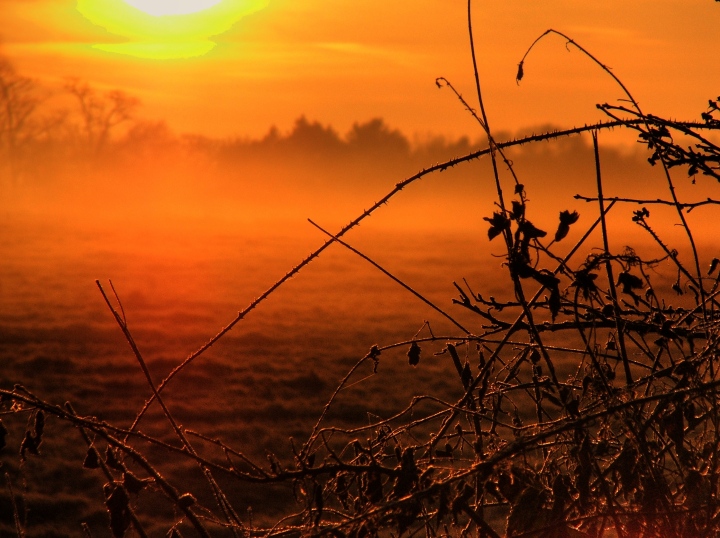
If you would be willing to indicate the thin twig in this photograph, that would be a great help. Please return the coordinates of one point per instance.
(394, 278)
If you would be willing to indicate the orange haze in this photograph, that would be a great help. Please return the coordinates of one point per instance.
(339, 61)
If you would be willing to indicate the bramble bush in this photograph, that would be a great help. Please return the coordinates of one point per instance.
(589, 403)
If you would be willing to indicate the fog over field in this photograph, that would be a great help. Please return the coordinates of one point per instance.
(192, 229)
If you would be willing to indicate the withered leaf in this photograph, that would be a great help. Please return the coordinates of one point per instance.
(585, 282)
(529, 231)
(518, 210)
(133, 484)
(547, 279)
(525, 512)
(629, 282)
(508, 487)
(186, 500)
(414, 354)
(3, 434)
(641, 214)
(520, 73)
(117, 505)
(673, 425)
(498, 223)
(91, 460)
(466, 376)
(39, 425)
(374, 487)
(566, 220)
(30, 445)
(111, 460)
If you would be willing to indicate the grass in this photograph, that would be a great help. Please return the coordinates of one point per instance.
(586, 404)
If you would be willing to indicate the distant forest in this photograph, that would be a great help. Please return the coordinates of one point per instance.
(82, 122)
(79, 144)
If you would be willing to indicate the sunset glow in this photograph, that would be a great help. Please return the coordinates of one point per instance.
(267, 63)
(359, 268)
(160, 30)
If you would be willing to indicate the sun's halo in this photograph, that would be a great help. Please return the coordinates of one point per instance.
(165, 29)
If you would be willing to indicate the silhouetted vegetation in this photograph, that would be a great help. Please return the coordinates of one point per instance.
(582, 402)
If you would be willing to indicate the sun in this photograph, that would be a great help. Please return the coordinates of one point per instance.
(159, 8)
(165, 29)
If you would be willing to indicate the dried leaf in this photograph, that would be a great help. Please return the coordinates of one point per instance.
(186, 500)
(414, 354)
(373, 487)
(526, 511)
(91, 461)
(112, 461)
(3, 434)
(585, 282)
(529, 231)
(518, 210)
(30, 445)
(39, 425)
(520, 73)
(117, 505)
(133, 484)
(498, 223)
(566, 220)
(674, 426)
(629, 282)
(466, 376)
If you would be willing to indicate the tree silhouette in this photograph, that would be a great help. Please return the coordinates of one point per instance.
(101, 113)
(19, 99)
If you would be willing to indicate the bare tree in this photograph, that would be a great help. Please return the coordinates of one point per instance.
(19, 100)
(101, 113)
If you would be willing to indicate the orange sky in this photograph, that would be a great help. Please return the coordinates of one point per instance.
(340, 61)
